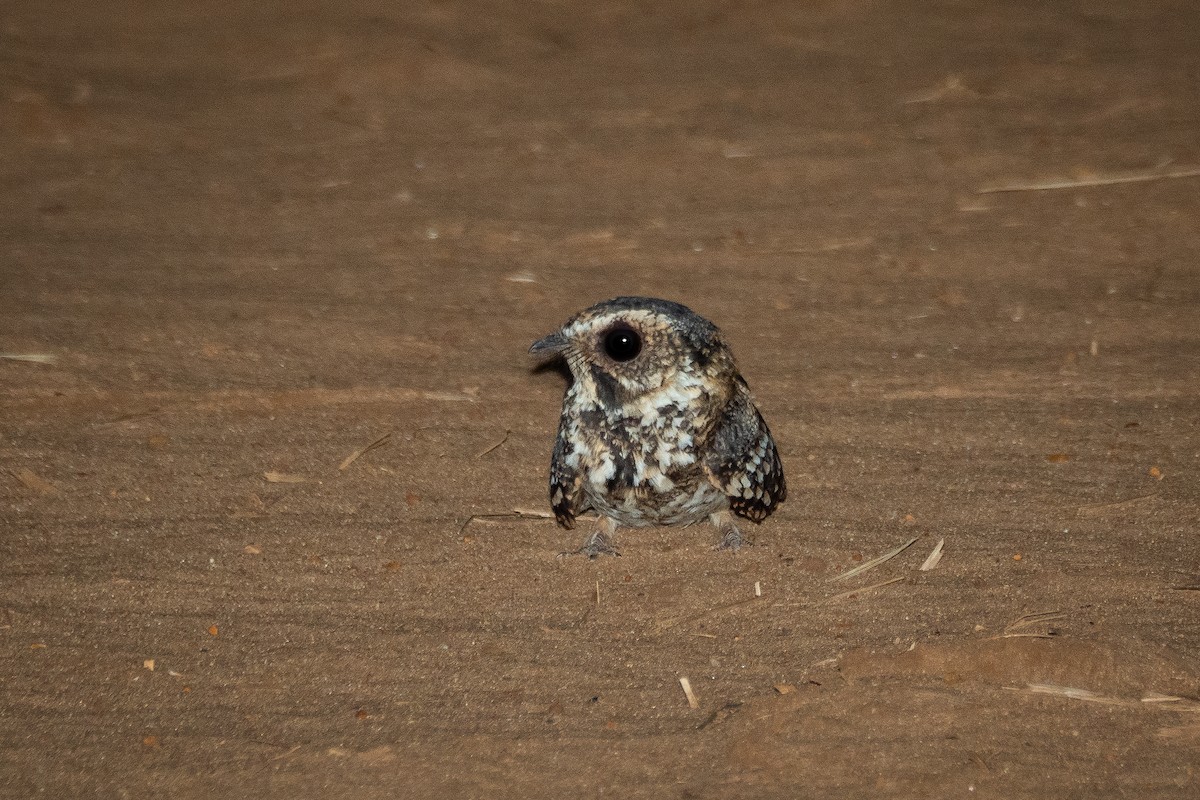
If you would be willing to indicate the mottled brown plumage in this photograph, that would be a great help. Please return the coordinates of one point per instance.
(657, 427)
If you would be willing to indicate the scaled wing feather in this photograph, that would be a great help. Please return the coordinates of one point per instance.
(566, 495)
(743, 462)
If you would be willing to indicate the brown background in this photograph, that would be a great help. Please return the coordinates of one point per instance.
(256, 239)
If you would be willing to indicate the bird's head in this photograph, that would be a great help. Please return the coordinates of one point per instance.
(624, 349)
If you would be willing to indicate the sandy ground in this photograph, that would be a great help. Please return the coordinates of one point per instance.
(258, 239)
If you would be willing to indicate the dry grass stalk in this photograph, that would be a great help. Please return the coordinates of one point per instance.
(32, 358)
(676, 621)
(935, 557)
(1171, 702)
(1074, 693)
(284, 477)
(1155, 697)
(496, 445)
(288, 753)
(687, 690)
(529, 513)
(863, 590)
(1014, 630)
(874, 562)
(1189, 732)
(1099, 509)
(31, 480)
(350, 459)
(1100, 180)
(493, 517)
(951, 87)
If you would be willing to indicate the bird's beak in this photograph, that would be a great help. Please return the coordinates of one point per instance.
(554, 344)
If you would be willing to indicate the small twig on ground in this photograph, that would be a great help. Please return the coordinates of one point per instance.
(1013, 629)
(1155, 697)
(32, 358)
(720, 715)
(1074, 693)
(1149, 699)
(1098, 509)
(273, 476)
(31, 480)
(863, 590)
(1099, 180)
(951, 87)
(288, 753)
(533, 513)
(675, 622)
(874, 562)
(935, 557)
(496, 445)
(687, 690)
(516, 513)
(131, 416)
(350, 459)
(1171, 702)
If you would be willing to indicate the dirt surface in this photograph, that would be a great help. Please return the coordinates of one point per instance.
(255, 240)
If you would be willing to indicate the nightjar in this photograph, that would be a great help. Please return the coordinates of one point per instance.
(657, 427)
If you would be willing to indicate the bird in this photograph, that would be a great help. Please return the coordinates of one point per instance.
(658, 426)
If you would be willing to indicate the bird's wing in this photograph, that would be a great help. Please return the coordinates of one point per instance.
(566, 484)
(742, 460)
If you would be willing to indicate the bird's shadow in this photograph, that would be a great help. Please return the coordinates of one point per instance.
(554, 365)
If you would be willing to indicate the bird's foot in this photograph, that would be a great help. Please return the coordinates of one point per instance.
(731, 536)
(600, 543)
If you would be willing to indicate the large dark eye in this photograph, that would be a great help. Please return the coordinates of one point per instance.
(622, 344)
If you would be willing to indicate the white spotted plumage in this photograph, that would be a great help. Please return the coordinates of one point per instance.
(658, 427)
